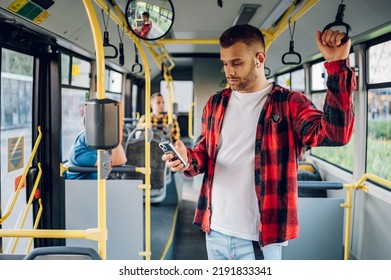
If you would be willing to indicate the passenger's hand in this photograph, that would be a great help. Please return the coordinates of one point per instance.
(176, 165)
(329, 44)
(142, 125)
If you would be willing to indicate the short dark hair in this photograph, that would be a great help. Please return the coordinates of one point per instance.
(155, 95)
(146, 14)
(248, 34)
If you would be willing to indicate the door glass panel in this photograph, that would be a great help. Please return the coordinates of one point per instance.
(16, 138)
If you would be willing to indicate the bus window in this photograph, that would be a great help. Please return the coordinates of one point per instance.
(80, 72)
(115, 82)
(379, 132)
(72, 117)
(379, 111)
(184, 94)
(134, 101)
(114, 85)
(65, 69)
(284, 80)
(297, 80)
(318, 76)
(379, 63)
(73, 96)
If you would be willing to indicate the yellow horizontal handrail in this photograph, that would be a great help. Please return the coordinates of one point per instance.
(22, 180)
(91, 234)
(270, 34)
(160, 57)
(374, 178)
(64, 168)
(273, 32)
(189, 41)
(28, 205)
(38, 218)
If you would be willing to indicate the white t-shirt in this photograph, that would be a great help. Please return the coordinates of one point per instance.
(234, 203)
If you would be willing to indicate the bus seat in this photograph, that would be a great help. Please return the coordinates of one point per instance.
(127, 129)
(135, 153)
(308, 171)
(63, 253)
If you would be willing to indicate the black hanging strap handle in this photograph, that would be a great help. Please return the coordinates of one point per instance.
(121, 47)
(106, 41)
(267, 71)
(137, 66)
(291, 51)
(339, 22)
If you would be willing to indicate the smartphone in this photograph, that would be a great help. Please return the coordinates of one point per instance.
(168, 148)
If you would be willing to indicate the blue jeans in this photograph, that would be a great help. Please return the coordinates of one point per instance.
(224, 247)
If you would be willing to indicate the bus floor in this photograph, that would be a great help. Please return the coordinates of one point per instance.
(188, 242)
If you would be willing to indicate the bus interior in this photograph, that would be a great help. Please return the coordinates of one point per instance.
(61, 59)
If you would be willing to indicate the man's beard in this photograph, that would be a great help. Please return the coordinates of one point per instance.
(246, 82)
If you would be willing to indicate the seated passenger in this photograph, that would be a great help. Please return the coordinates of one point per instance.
(81, 155)
(159, 117)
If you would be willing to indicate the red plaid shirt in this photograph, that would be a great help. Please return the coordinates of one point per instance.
(288, 122)
(144, 31)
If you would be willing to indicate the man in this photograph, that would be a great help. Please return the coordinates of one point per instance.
(81, 155)
(248, 200)
(159, 118)
(146, 27)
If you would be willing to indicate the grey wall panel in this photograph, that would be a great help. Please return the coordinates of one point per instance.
(321, 231)
(376, 238)
(125, 219)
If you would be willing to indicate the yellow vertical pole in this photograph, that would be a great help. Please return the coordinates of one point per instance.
(147, 253)
(348, 206)
(169, 92)
(121, 21)
(100, 76)
(173, 90)
(190, 121)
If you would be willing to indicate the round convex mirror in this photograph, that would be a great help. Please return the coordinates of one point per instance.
(150, 19)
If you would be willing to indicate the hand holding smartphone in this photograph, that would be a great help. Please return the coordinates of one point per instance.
(168, 148)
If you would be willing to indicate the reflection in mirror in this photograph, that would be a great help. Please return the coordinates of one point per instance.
(150, 19)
